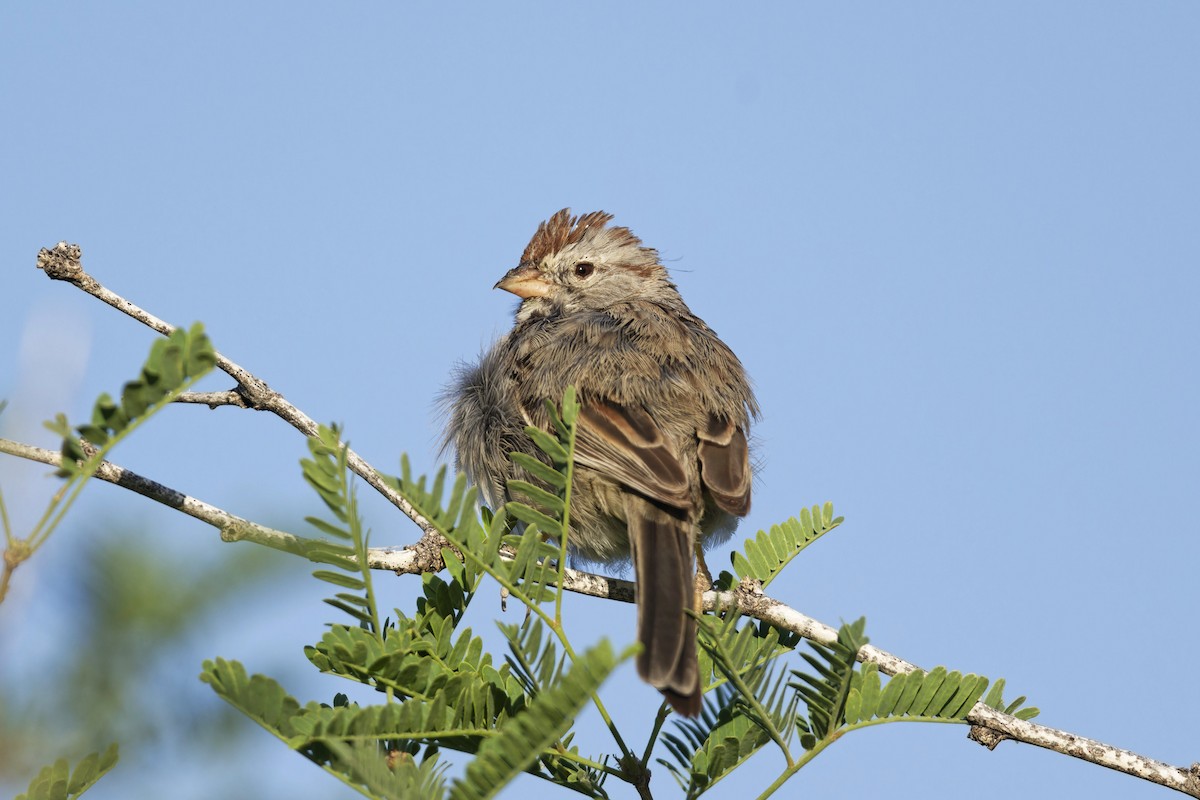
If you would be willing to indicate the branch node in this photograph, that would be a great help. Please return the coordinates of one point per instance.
(232, 532)
(256, 394)
(62, 262)
(987, 737)
(1192, 784)
(429, 551)
(749, 587)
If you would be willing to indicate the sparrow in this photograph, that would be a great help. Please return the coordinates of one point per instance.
(662, 459)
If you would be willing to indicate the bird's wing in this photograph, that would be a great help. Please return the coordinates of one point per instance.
(725, 465)
(625, 443)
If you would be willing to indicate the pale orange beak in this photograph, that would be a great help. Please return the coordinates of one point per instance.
(524, 281)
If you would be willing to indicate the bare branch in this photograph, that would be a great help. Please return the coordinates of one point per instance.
(62, 262)
(414, 559)
(214, 399)
(1182, 780)
(750, 600)
(232, 528)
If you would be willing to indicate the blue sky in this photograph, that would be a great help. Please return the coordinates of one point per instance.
(956, 246)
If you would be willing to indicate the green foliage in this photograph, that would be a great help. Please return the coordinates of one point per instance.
(995, 700)
(756, 705)
(770, 551)
(423, 657)
(827, 690)
(438, 688)
(127, 617)
(713, 744)
(384, 771)
(520, 561)
(327, 474)
(749, 708)
(174, 365)
(59, 782)
(524, 737)
(260, 698)
(441, 690)
(930, 696)
(548, 510)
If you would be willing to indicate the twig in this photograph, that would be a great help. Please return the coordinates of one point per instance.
(996, 725)
(412, 560)
(214, 399)
(62, 263)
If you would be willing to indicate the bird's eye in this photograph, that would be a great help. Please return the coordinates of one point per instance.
(584, 269)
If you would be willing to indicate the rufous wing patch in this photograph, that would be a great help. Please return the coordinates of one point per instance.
(725, 464)
(626, 444)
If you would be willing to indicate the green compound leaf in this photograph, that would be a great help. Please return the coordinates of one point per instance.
(523, 738)
(766, 555)
(58, 782)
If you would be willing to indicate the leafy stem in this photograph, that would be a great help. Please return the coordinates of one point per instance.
(724, 659)
(175, 364)
(566, 425)
(795, 766)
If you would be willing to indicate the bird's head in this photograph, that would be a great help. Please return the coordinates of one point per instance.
(581, 264)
